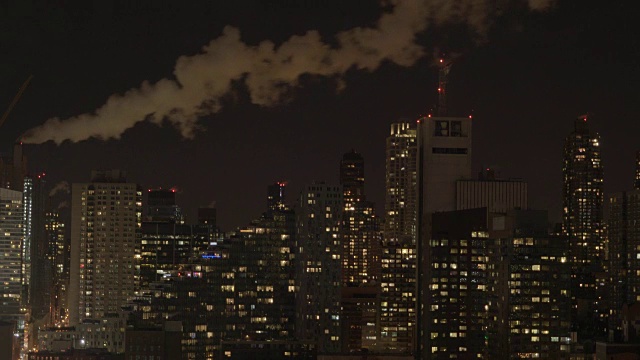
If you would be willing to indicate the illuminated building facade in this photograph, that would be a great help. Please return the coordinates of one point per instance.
(165, 245)
(319, 265)
(530, 283)
(360, 259)
(582, 222)
(457, 295)
(399, 247)
(36, 264)
(361, 242)
(106, 217)
(11, 226)
(58, 256)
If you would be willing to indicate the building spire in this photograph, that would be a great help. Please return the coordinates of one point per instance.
(443, 75)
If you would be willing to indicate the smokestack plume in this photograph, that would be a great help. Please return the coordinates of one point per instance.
(62, 186)
(268, 71)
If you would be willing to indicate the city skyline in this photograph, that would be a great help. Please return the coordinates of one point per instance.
(531, 71)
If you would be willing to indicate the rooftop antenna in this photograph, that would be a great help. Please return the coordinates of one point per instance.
(443, 74)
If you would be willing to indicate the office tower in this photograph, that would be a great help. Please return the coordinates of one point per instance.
(623, 230)
(161, 206)
(583, 197)
(167, 245)
(399, 247)
(58, 256)
(361, 243)
(36, 265)
(11, 228)
(11, 223)
(445, 158)
(106, 216)
(456, 298)
(529, 287)
(318, 262)
(360, 259)
(497, 195)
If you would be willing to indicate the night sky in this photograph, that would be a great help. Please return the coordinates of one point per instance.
(524, 74)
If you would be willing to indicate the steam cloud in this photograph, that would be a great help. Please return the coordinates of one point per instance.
(268, 71)
(62, 186)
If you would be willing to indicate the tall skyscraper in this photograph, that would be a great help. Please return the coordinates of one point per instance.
(58, 256)
(106, 216)
(361, 243)
(583, 198)
(399, 247)
(275, 195)
(456, 297)
(529, 288)
(11, 228)
(623, 232)
(319, 265)
(36, 264)
(445, 158)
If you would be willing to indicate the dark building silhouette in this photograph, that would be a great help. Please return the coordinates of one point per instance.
(623, 234)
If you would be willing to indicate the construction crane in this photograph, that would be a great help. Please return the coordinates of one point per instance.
(15, 100)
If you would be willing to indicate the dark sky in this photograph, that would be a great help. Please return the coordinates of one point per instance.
(525, 80)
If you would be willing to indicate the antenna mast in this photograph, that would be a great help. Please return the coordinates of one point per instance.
(443, 74)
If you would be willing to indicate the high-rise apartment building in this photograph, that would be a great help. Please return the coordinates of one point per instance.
(456, 296)
(582, 222)
(12, 309)
(11, 228)
(529, 288)
(399, 246)
(106, 216)
(361, 243)
(623, 233)
(58, 257)
(36, 265)
(319, 265)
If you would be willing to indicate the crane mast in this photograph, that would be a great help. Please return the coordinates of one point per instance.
(15, 100)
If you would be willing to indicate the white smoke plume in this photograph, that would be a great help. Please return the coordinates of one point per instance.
(268, 71)
(62, 186)
(63, 205)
